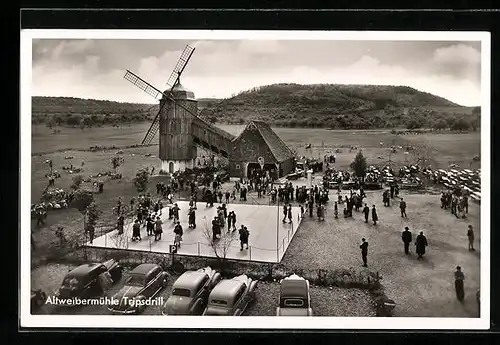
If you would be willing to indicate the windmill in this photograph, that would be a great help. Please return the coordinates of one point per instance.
(178, 112)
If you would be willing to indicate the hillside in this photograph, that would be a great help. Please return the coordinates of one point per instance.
(340, 106)
(290, 105)
(71, 111)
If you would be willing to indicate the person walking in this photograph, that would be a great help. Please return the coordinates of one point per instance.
(402, 207)
(459, 284)
(289, 213)
(158, 229)
(374, 215)
(364, 252)
(366, 212)
(470, 235)
(335, 210)
(406, 237)
(421, 243)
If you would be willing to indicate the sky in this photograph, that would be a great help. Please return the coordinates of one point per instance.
(221, 68)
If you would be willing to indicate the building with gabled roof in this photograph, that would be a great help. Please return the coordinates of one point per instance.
(259, 143)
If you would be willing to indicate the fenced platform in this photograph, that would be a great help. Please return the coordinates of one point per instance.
(268, 241)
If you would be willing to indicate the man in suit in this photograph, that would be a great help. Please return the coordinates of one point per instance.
(406, 237)
(364, 251)
(366, 212)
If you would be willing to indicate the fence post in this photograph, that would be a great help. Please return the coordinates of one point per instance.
(105, 240)
(149, 244)
(198, 248)
(250, 252)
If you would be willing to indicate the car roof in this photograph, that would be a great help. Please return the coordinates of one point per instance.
(189, 279)
(143, 269)
(83, 270)
(226, 288)
(294, 288)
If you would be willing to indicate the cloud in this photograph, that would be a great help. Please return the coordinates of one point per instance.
(95, 69)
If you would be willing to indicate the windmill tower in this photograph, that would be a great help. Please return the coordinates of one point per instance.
(178, 107)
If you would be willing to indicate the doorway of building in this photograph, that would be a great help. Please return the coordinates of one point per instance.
(254, 168)
(171, 167)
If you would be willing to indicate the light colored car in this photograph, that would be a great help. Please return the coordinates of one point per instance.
(295, 299)
(142, 284)
(231, 297)
(190, 292)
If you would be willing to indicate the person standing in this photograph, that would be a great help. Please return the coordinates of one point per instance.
(136, 230)
(402, 207)
(158, 229)
(215, 228)
(335, 210)
(229, 220)
(406, 237)
(119, 224)
(178, 231)
(421, 243)
(470, 235)
(374, 215)
(285, 212)
(459, 284)
(366, 212)
(364, 252)
(244, 234)
(192, 218)
(289, 213)
(150, 226)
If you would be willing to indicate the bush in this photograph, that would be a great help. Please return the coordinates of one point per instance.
(77, 182)
(359, 165)
(82, 198)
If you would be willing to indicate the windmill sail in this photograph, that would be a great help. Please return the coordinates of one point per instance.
(179, 67)
(153, 129)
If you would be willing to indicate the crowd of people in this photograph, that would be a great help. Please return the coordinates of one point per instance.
(456, 202)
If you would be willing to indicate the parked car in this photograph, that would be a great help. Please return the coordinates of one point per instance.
(89, 280)
(142, 283)
(230, 297)
(190, 292)
(38, 298)
(295, 299)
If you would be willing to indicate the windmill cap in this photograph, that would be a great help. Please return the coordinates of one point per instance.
(179, 91)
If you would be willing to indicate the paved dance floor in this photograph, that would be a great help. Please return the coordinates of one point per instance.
(269, 236)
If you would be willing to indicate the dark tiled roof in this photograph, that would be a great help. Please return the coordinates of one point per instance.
(277, 146)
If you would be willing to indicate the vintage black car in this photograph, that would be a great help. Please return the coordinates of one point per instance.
(294, 299)
(231, 296)
(89, 280)
(190, 292)
(142, 283)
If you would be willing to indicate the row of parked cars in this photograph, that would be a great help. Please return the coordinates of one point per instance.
(198, 292)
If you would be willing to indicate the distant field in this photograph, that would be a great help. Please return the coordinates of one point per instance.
(445, 149)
